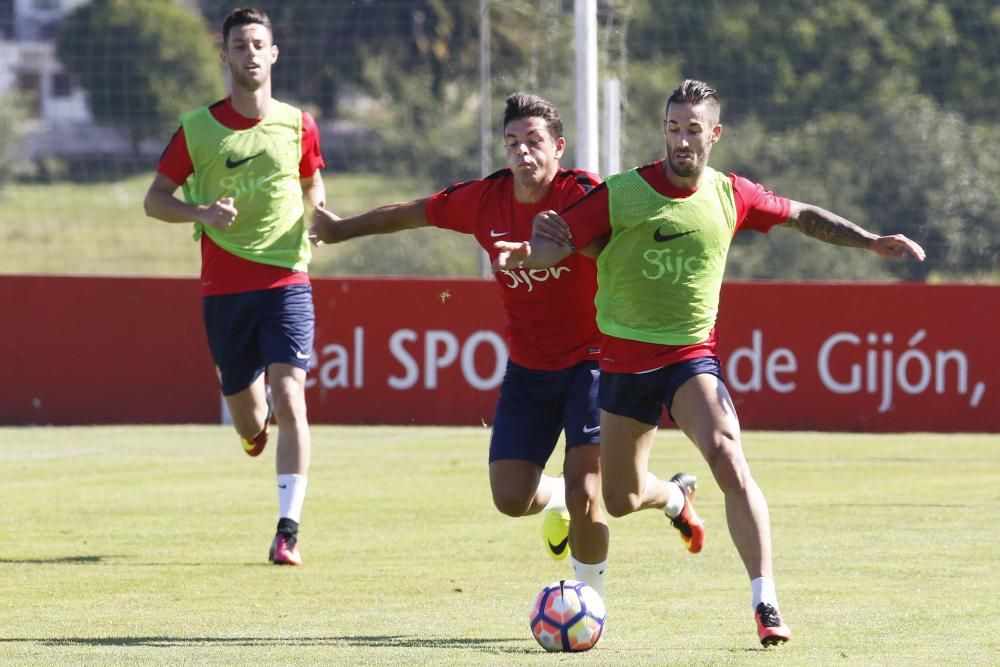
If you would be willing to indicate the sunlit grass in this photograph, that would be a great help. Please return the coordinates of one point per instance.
(145, 545)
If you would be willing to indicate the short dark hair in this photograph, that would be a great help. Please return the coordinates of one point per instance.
(244, 16)
(525, 105)
(692, 91)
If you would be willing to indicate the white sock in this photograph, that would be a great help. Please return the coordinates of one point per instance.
(291, 495)
(763, 591)
(558, 498)
(675, 496)
(592, 575)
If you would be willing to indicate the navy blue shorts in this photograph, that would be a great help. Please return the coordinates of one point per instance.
(535, 406)
(642, 396)
(249, 331)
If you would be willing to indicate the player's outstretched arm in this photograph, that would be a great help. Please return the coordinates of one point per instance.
(549, 225)
(831, 228)
(551, 242)
(328, 228)
(538, 253)
(160, 203)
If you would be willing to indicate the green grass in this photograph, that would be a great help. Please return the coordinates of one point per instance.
(147, 545)
(100, 228)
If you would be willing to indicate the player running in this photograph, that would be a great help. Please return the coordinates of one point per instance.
(246, 163)
(661, 234)
(550, 384)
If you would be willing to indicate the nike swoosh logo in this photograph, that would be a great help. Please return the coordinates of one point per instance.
(282, 486)
(300, 355)
(496, 234)
(591, 429)
(232, 164)
(657, 236)
(557, 549)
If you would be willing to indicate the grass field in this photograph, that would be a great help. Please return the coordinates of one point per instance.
(147, 545)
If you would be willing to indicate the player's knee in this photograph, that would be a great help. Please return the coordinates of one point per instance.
(729, 466)
(510, 502)
(620, 504)
(288, 405)
(583, 497)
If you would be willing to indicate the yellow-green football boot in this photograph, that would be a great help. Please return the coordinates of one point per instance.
(555, 530)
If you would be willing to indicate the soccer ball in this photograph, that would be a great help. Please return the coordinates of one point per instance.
(568, 615)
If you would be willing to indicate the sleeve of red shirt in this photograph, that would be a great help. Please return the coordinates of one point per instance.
(757, 208)
(175, 162)
(577, 186)
(312, 158)
(449, 208)
(589, 218)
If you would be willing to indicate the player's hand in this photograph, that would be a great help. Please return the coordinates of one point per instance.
(326, 227)
(512, 254)
(219, 215)
(897, 246)
(548, 225)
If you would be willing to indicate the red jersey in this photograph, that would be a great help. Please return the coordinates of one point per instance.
(757, 209)
(551, 317)
(223, 272)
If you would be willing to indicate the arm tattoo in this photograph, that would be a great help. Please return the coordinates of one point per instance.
(825, 226)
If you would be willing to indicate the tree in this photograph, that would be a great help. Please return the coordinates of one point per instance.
(408, 70)
(901, 166)
(782, 59)
(327, 47)
(142, 63)
(12, 113)
(883, 111)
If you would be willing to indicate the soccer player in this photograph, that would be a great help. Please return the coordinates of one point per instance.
(550, 382)
(661, 233)
(246, 163)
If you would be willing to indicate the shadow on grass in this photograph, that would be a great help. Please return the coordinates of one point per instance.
(491, 645)
(125, 561)
(58, 560)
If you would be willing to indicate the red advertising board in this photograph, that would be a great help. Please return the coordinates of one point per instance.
(399, 351)
(91, 350)
(888, 357)
(856, 357)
